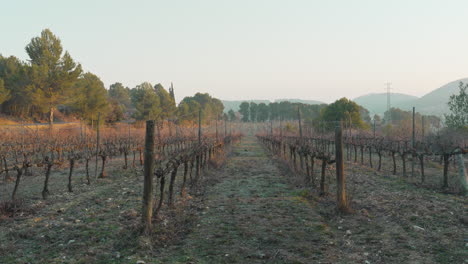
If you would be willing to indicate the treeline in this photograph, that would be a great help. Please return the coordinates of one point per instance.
(342, 109)
(253, 112)
(323, 115)
(51, 82)
(399, 122)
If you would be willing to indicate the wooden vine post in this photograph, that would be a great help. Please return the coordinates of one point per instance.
(225, 127)
(128, 130)
(81, 128)
(97, 143)
(281, 127)
(340, 176)
(271, 126)
(148, 176)
(423, 125)
(374, 127)
(300, 122)
(199, 127)
(463, 174)
(216, 128)
(198, 159)
(301, 159)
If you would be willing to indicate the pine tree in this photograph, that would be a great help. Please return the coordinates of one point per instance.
(171, 92)
(52, 74)
(16, 78)
(244, 110)
(166, 102)
(89, 97)
(146, 102)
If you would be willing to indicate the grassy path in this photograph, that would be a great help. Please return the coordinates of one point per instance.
(253, 216)
(248, 212)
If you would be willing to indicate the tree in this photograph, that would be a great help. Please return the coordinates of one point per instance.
(116, 111)
(171, 92)
(89, 97)
(458, 105)
(232, 115)
(263, 112)
(119, 101)
(4, 93)
(188, 110)
(397, 115)
(283, 110)
(212, 108)
(166, 102)
(244, 110)
(146, 102)
(16, 78)
(364, 113)
(217, 107)
(377, 119)
(310, 113)
(274, 111)
(53, 74)
(121, 94)
(402, 122)
(343, 109)
(253, 111)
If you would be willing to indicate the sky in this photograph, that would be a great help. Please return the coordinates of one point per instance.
(254, 49)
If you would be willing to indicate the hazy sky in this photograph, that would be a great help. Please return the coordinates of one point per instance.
(254, 49)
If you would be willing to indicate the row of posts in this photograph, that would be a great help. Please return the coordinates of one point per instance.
(342, 201)
(149, 162)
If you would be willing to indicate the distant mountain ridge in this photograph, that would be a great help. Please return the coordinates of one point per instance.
(433, 103)
(234, 105)
(311, 102)
(436, 101)
(376, 103)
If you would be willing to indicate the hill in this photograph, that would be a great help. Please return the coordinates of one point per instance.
(433, 103)
(436, 101)
(377, 103)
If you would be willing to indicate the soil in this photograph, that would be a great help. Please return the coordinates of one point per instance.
(250, 210)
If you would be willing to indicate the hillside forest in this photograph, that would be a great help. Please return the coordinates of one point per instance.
(51, 82)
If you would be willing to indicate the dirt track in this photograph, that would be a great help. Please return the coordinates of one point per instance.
(253, 216)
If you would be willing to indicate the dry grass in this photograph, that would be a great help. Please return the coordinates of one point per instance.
(394, 219)
(7, 122)
(250, 210)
